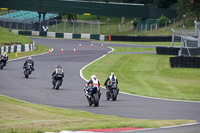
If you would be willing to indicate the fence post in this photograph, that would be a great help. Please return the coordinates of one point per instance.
(11, 25)
(73, 26)
(199, 38)
(17, 24)
(98, 27)
(146, 27)
(91, 28)
(195, 27)
(173, 33)
(64, 26)
(56, 25)
(81, 27)
(24, 23)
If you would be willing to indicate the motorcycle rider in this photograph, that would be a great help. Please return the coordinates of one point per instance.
(58, 71)
(110, 81)
(5, 56)
(29, 61)
(94, 82)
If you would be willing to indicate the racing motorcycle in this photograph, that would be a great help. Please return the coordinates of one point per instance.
(58, 81)
(2, 63)
(93, 96)
(28, 70)
(113, 92)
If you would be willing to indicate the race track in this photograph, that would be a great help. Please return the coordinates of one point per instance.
(37, 88)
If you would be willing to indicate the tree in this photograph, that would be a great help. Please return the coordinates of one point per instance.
(188, 6)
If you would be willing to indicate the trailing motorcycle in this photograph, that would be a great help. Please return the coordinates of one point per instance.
(93, 96)
(2, 63)
(28, 70)
(57, 81)
(112, 92)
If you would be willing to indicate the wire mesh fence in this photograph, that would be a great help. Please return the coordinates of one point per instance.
(52, 25)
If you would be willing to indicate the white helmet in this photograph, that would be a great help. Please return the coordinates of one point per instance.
(29, 58)
(112, 74)
(93, 77)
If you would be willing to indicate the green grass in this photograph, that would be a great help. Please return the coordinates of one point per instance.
(39, 49)
(21, 117)
(7, 37)
(148, 75)
(121, 49)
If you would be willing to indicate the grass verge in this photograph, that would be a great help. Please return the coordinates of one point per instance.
(121, 49)
(144, 43)
(148, 75)
(39, 49)
(21, 117)
(8, 37)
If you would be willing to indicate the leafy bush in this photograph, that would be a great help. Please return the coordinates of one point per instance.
(135, 22)
(162, 20)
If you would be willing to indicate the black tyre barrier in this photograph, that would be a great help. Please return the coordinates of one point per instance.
(167, 50)
(175, 50)
(142, 38)
(184, 62)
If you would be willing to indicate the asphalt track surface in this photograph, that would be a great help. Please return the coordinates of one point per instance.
(37, 88)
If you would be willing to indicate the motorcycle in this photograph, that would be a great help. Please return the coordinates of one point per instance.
(112, 93)
(27, 70)
(93, 96)
(2, 63)
(57, 82)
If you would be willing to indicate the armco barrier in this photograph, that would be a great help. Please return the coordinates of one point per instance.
(62, 35)
(185, 62)
(175, 50)
(17, 48)
(142, 38)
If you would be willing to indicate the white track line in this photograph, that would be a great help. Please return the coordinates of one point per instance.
(81, 75)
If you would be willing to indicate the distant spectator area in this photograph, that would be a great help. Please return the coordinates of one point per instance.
(28, 16)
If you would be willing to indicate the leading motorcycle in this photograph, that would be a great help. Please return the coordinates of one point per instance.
(57, 81)
(28, 70)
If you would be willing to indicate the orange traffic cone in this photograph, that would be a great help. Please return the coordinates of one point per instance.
(102, 45)
(49, 51)
(79, 45)
(61, 50)
(74, 50)
(91, 45)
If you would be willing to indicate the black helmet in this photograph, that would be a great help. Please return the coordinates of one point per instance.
(59, 66)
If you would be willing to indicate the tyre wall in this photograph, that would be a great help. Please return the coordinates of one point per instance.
(184, 62)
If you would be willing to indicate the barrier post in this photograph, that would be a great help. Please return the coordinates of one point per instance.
(109, 37)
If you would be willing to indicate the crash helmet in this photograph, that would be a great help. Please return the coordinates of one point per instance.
(93, 77)
(4, 54)
(112, 74)
(59, 66)
(29, 58)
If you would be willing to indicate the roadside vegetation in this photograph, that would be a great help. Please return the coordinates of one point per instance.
(8, 38)
(147, 75)
(22, 117)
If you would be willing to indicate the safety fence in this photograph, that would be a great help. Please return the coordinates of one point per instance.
(17, 48)
(62, 35)
(52, 25)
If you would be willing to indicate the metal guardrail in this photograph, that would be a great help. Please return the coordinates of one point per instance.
(185, 39)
